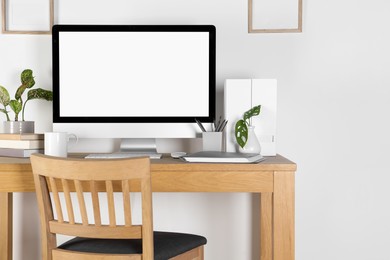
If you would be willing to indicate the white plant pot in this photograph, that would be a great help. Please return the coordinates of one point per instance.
(18, 127)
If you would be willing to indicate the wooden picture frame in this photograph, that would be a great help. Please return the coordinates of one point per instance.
(25, 25)
(274, 16)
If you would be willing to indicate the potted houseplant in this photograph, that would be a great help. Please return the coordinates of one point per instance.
(18, 104)
(245, 134)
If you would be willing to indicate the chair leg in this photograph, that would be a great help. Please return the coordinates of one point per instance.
(194, 254)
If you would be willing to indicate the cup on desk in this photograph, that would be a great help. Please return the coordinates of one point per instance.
(212, 141)
(56, 143)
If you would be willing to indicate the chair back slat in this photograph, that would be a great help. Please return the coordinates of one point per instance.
(80, 197)
(126, 203)
(68, 200)
(56, 199)
(95, 204)
(92, 177)
(111, 203)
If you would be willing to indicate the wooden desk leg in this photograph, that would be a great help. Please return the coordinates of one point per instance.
(6, 225)
(266, 226)
(283, 210)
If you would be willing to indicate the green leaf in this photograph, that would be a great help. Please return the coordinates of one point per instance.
(37, 94)
(254, 111)
(16, 106)
(3, 110)
(40, 94)
(241, 133)
(27, 78)
(4, 96)
(19, 92)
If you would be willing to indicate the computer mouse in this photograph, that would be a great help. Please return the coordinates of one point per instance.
(177, 155)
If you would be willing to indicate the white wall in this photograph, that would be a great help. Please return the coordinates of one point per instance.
(333, 100)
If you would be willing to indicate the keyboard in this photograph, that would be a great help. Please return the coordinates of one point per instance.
(122, 155)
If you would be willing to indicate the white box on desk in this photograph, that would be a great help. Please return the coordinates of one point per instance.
(240, 95)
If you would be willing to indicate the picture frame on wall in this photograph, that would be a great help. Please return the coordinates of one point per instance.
(27, 16)
(274, 16)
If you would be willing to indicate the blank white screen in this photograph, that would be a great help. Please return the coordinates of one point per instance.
(134, 74)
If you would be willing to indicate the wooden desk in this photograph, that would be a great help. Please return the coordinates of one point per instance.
(273, 178)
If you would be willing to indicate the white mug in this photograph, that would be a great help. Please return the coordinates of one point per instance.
(56, 143)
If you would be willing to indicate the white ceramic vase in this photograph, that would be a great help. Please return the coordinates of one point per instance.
(253, 144)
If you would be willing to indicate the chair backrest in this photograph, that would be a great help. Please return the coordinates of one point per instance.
(55, 175)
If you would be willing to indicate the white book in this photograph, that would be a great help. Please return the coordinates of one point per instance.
(223, 157)
(23, 136)
(22, 144)
(23, 153)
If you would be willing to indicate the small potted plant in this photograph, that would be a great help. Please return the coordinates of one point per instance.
(245, 134)
(18, 104)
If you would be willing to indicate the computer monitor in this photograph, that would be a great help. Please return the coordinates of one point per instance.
(133, 81)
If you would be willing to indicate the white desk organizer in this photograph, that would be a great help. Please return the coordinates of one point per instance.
(242, 94)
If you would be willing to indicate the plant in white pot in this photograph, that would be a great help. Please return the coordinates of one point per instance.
(245, 134)
(18, 104)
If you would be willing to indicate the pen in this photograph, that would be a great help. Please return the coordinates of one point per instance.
(220, 126)
(200, 125)
(217, 125)
(223, 126)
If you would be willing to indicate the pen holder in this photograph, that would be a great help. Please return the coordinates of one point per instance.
(212, 141)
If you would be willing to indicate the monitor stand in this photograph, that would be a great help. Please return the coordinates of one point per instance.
(131, 147)
(138, 145)
(145, 146)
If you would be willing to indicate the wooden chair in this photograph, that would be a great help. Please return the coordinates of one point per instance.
(93, 239)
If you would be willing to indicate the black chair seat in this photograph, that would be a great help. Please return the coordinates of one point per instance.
(166, 245)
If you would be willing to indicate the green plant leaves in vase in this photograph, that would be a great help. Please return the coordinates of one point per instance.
(255, 111)
(40, 94)
(4, 96)
(27, 80)
(241, 132)
(18, 105)
(241, 127)
(5, 100)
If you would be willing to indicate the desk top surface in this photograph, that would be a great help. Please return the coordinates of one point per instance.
(277, 162)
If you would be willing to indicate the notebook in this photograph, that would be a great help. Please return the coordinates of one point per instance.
(223, 157)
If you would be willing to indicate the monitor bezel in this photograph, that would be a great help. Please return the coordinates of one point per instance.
(57, 118)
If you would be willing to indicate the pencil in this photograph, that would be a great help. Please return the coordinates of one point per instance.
(200, 125)
(223, 126)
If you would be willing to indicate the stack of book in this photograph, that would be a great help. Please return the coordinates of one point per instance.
(21, 145)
